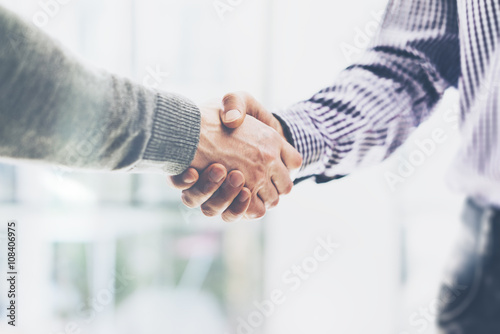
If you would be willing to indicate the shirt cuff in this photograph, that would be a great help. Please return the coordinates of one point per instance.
(174, 137)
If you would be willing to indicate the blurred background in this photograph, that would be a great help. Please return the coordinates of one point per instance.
(116, 253)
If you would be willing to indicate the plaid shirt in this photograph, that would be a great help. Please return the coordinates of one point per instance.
(423, 47)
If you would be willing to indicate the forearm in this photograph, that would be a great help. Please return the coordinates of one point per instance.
(334, 141)
(376, 103)
(54, 109)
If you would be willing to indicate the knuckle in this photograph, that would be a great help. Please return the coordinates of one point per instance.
(259, 172)
(288, 188)
(228, 97)
(268, 157)
(265, 159)
(297, 161)
(264, 153)
(300, 160)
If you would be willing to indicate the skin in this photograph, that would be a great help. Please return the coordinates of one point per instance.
(225, 195)
(223, 198)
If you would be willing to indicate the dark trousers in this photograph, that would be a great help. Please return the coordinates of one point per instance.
(470, 294)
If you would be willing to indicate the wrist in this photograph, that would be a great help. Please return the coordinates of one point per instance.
(211, 130)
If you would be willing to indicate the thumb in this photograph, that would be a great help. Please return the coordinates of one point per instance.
(237, 105)
(234, 110)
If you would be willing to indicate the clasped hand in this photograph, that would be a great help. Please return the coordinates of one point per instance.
(254, 151)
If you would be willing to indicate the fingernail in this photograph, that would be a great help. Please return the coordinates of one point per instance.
(189, 178)
(216, 175)
(232, 115)
(236, 180)
(243, 196)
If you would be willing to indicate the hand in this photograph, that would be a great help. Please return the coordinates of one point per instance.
(253, 148)
(236, 106)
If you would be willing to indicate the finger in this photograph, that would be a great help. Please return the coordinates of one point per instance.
(257, 208)
(208, 183)
(239, 206)
(234, 108)
(185, 180)
(269, 195)
(280, 177)
(290, 156)
(223, 198)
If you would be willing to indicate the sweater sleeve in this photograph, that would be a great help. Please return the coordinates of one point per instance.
(56, 110)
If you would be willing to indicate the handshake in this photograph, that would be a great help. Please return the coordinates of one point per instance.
(254, 150)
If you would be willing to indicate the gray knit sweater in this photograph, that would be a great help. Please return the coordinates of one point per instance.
(56, 110)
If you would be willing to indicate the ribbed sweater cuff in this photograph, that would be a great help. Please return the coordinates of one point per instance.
(175, 135)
